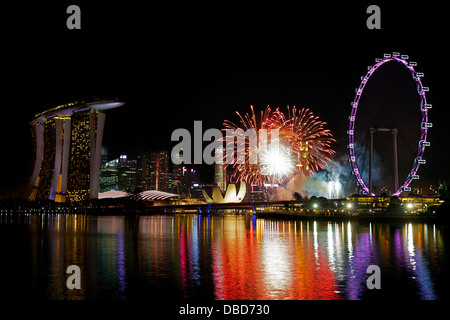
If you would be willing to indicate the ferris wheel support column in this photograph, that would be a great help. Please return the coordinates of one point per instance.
(394, 132)
(371, 131)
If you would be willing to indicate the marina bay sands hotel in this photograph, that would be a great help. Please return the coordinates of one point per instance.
(68, 143)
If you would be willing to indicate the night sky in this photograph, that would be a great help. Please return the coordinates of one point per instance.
(174, 64)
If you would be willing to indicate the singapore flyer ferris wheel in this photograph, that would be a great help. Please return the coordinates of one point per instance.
(399, 184)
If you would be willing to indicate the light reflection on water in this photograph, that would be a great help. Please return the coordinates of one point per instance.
(228, 257)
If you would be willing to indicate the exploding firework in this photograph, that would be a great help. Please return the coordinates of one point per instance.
(276, 161)
(299, 144)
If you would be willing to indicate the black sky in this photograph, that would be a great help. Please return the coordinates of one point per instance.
(175, 64)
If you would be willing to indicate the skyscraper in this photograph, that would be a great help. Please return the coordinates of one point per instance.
(190, 182)
(67, 143)
(153, 170)
(159, 173)
(176, 178)
(109, 176)
(128, 176)
(220, 177)
(143, 170)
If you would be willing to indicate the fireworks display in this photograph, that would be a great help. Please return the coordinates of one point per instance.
(276, 161)
(293, 143)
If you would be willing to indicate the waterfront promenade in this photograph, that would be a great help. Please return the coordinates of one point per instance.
(356, 207)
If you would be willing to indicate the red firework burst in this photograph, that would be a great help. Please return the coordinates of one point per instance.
(305, 145)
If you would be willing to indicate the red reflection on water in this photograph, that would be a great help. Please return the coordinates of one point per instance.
(183, 261)
(315, 280)
(258, 266)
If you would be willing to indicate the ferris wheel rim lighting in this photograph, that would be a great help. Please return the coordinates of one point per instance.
(425, 125)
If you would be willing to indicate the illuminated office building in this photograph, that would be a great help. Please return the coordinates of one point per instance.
(143, 170)
(176, 183)
(119, 174)
(220, 177)
(191, 183)
(68, 143)
(128, 176)
(159, 173)
(153, 170)
(109, 176)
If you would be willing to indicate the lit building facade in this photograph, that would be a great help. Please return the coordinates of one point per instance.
(190, 182)
(109, 176)
(220, 177)
(120, 174)
(128, 177)
(153, 170)
(67, 145)
(143, 170)
(176, 183)
(159, 173)
(257, 193)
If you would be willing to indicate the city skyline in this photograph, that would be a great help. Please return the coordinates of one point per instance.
(209, 79)
(338, 186)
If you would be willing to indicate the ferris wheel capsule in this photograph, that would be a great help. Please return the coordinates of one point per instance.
(421, 161)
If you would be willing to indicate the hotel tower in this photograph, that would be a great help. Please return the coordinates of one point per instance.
(67, 148)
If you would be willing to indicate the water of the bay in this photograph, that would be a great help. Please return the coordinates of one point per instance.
(219, 257)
